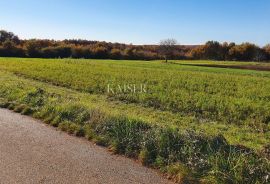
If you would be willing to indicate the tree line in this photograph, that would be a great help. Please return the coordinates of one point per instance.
(12, 46)
(214, 50)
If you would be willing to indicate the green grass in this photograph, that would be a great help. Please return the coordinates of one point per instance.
(207, 102)
(228, 101)
(224, 95)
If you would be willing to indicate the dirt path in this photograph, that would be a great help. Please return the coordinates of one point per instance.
(32, 152)
(246, 67)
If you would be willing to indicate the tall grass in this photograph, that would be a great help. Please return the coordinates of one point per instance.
(224, 95)
(184, 155)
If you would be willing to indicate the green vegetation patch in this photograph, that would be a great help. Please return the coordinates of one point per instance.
(183, 153)
(210, 94)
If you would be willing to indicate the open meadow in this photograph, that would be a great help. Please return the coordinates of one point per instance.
(195, 123)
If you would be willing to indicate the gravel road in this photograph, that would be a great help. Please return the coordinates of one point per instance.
(32, 152)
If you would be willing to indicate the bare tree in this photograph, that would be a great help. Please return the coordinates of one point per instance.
(167, 48)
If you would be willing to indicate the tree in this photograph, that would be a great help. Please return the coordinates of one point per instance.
(8, 36)
(167, 48)
(8, 44)
(244, 52)
(212, 50)
(267, 51)
(12, 46)
(56, 52)
(99, 52)
(197, 52)
(115, 54)
(9, 49)
(33, 48)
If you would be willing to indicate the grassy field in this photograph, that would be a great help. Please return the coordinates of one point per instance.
(182, 103)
